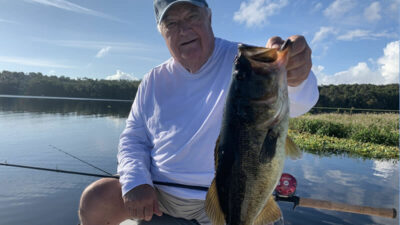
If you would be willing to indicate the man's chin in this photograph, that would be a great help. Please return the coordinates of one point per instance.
(192, 63)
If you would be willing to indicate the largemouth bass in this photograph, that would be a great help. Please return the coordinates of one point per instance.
(251, 148)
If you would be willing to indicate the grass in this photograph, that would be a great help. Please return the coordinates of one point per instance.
(364, 135)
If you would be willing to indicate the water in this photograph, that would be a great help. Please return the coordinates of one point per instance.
(90, 131)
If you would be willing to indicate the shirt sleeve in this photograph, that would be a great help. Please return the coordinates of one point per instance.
(303, 97)
(134, 148)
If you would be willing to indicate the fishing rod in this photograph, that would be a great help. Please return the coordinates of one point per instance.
(57, 170)
(199, 188)
(287, 187)
(283, 192)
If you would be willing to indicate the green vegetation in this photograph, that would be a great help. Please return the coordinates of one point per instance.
(366, 96)
(37, 84)
(365, 135)
(363, 96)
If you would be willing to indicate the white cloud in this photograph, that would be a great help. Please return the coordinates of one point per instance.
(365, 34)
(8, 21)
(359, 74)
(394, 7)
(32, 62)
(121, 76)
(339, 8)
(116, 46)
(69, 6)
(317, 7)
(256, 12)
(389, 63)
(387, 71)
(372, 12)
(103, 52)
(322, 34)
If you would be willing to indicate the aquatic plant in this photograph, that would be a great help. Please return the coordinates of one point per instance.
(318, 144)
(364, 135)
(374, 128)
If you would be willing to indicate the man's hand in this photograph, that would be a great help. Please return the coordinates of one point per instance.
(142, 202)
(299, 65)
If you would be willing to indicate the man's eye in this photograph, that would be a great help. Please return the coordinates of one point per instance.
(194, 17)
(170, 24)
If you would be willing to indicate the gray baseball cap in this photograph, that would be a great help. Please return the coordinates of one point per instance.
(161, 6)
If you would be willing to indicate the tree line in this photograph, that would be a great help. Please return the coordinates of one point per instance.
(365, 96)
(37, 84)
(362, 96)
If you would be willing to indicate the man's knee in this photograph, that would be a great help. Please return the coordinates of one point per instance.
(101, 201)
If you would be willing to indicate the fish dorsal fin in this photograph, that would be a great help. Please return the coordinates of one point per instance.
(292, 150)
(212, 206)
(270, 213)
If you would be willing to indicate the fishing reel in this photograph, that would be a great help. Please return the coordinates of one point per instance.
(286, 186)
(286, 189)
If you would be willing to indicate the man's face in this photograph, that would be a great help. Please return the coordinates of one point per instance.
(187, 31)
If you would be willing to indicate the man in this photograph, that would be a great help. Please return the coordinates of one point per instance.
(175, 120)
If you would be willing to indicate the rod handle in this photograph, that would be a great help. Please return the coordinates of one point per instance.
(321, 204)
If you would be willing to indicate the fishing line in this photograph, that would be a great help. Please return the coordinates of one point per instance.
(87, 163)
(200, 188)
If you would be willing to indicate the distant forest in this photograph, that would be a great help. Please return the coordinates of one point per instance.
(363, 96)
(37, 84)
(366, 96)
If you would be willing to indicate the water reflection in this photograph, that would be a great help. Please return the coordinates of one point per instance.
(65, 106)
(90, 131)
(385, 169)
(344, 180)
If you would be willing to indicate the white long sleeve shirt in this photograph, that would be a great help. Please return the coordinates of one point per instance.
(175, 121)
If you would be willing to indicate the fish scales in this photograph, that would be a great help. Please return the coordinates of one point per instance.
(250, 150)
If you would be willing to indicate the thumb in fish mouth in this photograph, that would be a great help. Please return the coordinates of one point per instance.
(274, 42)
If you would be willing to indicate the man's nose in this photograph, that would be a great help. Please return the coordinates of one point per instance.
(184, 26)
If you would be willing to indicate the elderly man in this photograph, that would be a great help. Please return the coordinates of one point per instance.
(175, 120)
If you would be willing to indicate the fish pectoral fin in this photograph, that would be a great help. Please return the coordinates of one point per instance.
(212, 206)
(268, 148)
(291, 149)
(270, 213)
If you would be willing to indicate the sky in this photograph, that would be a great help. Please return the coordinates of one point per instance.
(353, 41)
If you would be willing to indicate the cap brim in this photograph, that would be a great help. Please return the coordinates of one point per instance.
(199, 4)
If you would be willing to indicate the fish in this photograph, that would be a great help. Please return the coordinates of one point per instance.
(253, 143)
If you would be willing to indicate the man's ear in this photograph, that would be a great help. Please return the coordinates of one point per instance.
(210, 15)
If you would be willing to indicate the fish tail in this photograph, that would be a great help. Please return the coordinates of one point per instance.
(212, 206)
(270, 213)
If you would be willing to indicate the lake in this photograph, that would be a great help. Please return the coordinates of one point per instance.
(32, 128)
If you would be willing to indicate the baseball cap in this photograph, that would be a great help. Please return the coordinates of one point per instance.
(161, 6)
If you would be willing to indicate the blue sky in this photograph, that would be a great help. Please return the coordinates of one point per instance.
(353, 41)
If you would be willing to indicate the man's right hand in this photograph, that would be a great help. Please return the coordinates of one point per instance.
(142, 202)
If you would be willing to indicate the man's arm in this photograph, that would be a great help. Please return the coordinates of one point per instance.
(302, 83)
(134, 165)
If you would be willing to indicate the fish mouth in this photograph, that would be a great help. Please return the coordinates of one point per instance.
(258, 56)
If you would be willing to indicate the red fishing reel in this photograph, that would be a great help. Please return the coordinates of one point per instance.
(286, 186)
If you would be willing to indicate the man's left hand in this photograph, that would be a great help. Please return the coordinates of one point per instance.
(299, 65)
